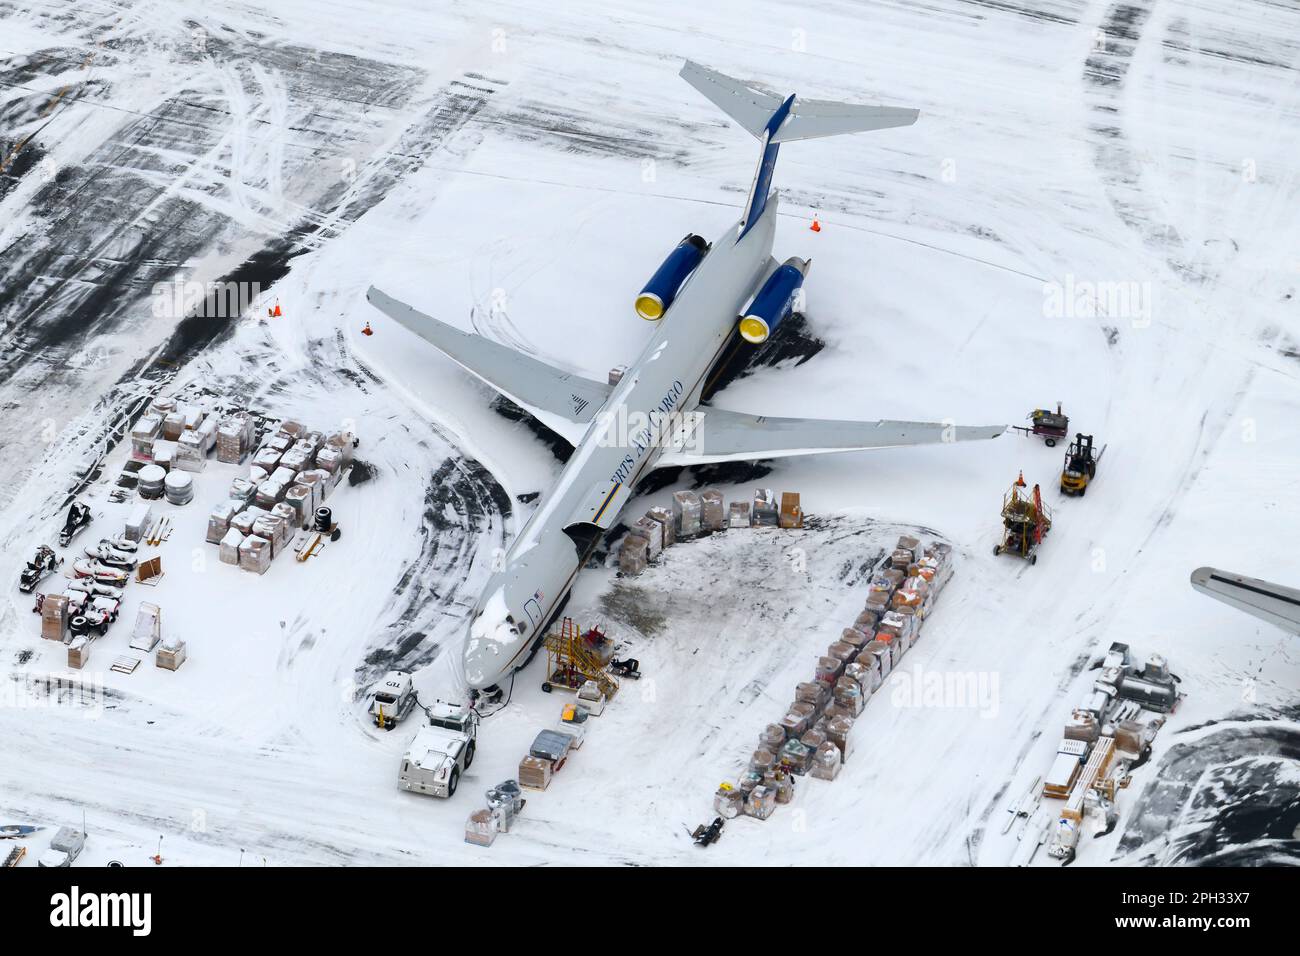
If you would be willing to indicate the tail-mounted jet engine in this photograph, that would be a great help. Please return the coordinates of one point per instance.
(663, 286)
(775, 300)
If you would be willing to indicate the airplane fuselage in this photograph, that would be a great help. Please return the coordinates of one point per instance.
(621, 444)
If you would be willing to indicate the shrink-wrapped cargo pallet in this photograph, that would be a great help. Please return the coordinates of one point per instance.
(855, 639)
(793, 725)
(219, 520)
(324, 482)
(54, 617)
(242, 490)
(289, 515)
(343, 443)
(291, 430)
(552, 745)
(686, 514)
(812, 739)
(144, 434)
(728, 802)
(761, 803)
(79, 652)
(173, 425)
(712, 511)
(890, 578)
(910, 544)
(664, 518)
(839, 731)
(255, 554)
(762, 760)
(884, 657)
(653, 532)
(866, 622)
(849, 696)
(269, 493)
(234, 439)
(1083, 726)
(267, 458)
(274, 529)
(843, 652)
(280, 442)
(878, 599)
(864, 676)
(738, 514)
(871, 662)
(764, 513)
(632, 554)
(329, 459)
(535, 773)
(171, 654)
(805, 710)
(137, 522)
(481, 828)
(229, 550)
(190, 455)
(795, 757)
(772, 737)
(812, 692)
(827, 761)
(784, 787)
(243, 522)
(299, 499)
(829, 669)
(791, 513)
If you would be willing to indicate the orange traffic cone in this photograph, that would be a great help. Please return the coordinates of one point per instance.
(367, 330)
(275, 312)
(816, 226)
(1020, 482)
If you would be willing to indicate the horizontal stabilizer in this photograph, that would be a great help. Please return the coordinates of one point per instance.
(523, 379)
(806, 119)
(1269, 602)
(810, 119)
(733, 436)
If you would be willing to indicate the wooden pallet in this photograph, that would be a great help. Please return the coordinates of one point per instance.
(125, 664)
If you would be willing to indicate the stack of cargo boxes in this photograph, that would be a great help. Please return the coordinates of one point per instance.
(693, 515)
(1117, 721)
(814, 736)
(292, 473)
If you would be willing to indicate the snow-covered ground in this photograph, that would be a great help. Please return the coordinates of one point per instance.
(519, 169)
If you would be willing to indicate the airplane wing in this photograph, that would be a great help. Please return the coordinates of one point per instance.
(524, 380)
(720, 435)
(1274, 603)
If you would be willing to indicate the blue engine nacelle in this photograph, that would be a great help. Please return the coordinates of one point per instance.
(775, 300)
(662, 288)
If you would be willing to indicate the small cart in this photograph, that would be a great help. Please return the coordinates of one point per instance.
(1049, 426)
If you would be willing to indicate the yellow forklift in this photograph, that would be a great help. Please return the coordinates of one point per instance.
(1081, 462)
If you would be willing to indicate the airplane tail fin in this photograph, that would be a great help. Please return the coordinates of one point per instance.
(787, 120)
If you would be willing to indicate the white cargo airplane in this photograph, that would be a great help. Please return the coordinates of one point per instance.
(652, 418)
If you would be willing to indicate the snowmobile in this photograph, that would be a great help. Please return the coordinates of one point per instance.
(100, 572)
(93, 587)
(629, 668)
(105, 553)
(78, 520)
(704, 836)
(38, 568)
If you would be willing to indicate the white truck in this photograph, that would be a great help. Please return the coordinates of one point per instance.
(440, 752)
(392, 699)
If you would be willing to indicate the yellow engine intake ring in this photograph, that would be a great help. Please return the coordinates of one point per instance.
(753, 329)
(649, 306)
